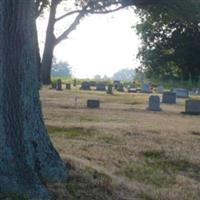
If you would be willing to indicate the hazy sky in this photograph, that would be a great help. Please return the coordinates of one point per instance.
(101, 44)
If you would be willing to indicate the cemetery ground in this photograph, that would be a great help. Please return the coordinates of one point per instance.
(122, 151)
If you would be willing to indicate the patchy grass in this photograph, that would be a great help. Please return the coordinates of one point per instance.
(121, 151)
(72, 132)
(160, 170)
(111, 139)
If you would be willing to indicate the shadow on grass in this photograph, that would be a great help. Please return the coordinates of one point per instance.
(85, 184)
(159, 170)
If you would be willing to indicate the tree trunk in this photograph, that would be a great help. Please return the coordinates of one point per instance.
(27, 157)
(49, 45)
(39, 64)
(47, 60)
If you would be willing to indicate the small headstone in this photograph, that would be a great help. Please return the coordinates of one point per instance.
(85, 86)
(160, 89)
(181, 93)
(195, 92)
(146, 88)
(116, 84)
(59, 84)
(120, 88)
(110, 89)
(132, 90)
(68, 86)
(93, 103)
(154, 103)
(169, 97)
(192, 107)
(101, 87)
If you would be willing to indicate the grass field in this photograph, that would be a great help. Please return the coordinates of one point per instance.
(122, 151)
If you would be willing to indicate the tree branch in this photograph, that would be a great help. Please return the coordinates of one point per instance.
(106, 11)
(72, 27)
(67, 14)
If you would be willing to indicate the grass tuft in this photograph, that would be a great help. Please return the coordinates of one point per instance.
(72, 132)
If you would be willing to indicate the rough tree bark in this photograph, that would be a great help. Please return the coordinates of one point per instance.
(27, 156)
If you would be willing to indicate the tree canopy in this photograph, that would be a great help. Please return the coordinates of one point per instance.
(170, 40)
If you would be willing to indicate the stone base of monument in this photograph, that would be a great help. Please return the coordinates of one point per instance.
(154, 103)
(192, 107)
(93, 103)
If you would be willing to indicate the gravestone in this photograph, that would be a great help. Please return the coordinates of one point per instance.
(195, 91)
(110, 89)
(160, 89)
(181, 92)
(85, 86)
(68, 86)
(93, 103)
(169, 97)
(101, 87)
(146, 88)
(154, 103)
(59, 85)
(132, 90)
(116, 84)
(120, 88)
(192, 107)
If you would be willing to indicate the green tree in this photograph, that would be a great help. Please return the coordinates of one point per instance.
(61, 69)
(170, 40)
(124, 75)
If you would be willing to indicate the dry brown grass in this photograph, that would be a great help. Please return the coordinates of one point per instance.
(122, 151)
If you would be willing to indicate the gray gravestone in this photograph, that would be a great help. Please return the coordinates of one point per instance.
(154, 103)
(146, 88)
(68, 86)
(59, 85)
(160, 89)
(93, 103)
(85, 86)
(195, 92)
(169, 97)
(192, 107)
(181, 92)
(116, 84)
(101, 87)
(110, 89)
(120, 88)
